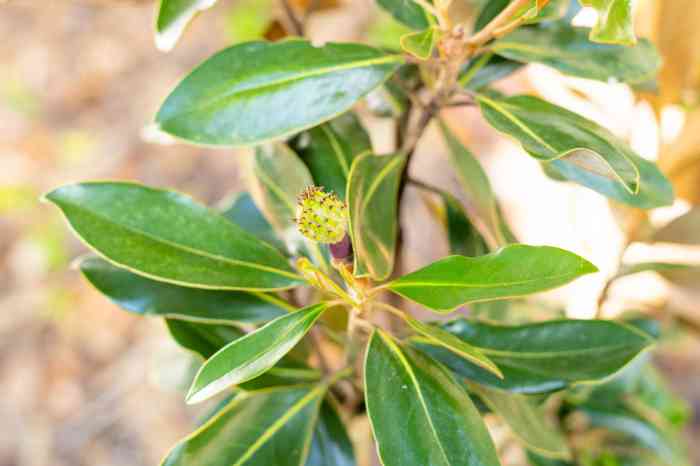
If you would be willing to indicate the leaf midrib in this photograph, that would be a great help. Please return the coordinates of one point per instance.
(409, 371)
(182, 247)
(242, 90)
(413, 284)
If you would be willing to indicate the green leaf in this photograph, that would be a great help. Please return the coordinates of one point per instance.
(408, 12)
(372, 192)
(331, 445)
(543, 357)
(144, 296)
(172, 18)
(331, 149)
(630, 269)
(419, 414)
(536, 460)
(578, 149)
(277, 178)
(549, 132)
(512, 271)
(477, 186)
(250, 356)
(243, 212)
(440, 337)
(464, 239)
(258, 91)
(273, 426)
(568, 50)
(202, 339)
(528, 421)
(420, 44)
(168, 237)
(655, 189)
(615, 21)
(682, 230)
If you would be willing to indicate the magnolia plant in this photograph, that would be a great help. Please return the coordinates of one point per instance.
(291, 294)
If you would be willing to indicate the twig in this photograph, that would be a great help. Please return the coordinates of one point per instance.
(603, 297)
(497, 23)
(294, 22)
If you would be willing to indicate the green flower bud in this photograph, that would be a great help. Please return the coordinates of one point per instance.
(321, 216)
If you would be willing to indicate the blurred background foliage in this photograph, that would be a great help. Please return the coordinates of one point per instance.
(84, 383)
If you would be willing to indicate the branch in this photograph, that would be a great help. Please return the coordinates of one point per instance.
(497, 24)
(294, 22)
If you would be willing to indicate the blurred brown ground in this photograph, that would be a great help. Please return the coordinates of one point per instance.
(82, 382)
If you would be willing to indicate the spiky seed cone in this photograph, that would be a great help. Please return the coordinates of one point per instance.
(321, 216)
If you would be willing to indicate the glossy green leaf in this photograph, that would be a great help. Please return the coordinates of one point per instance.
(372, 193)
(419, 414)
(273, 426)
(243, 212)
(250, 356)
(202, 339)
(615, 21)
(440, 337)
(144, 296)
(278, 177)
(166, 236)
(510, 272)
(331, 149)
(548, 132)
(420, 44)
(527, 420)
(172, 18)
(655, 189)
(547, 356)
(331, 445)
(568, 50)
(408, 12)
(477, 186)
(258, 91)
(464, 239)
(682, 230)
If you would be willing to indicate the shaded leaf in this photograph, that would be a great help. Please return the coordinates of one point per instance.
(512, 271)
(332, 148)
(202, 339)
(243, 212)
(630, 269)
(419, 414)
(527, 421)
(464, 239)
(568, 50)
(258, 91)
(372, 192)
(250, 356)
(144, 296)
(272, 426)
(534, 12)
(168, 237)
(277, 178)
(547, 356)
(331, 445)
(615, 21)
(172, 18)
(682, 230)
(477, 186)
(408, 12)
(495, 69)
